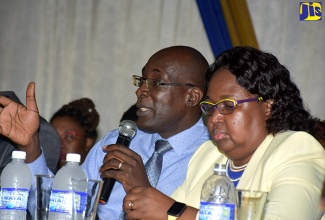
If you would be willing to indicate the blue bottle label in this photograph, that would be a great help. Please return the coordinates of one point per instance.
(214, 211)
(61, 201)
(80, 202)
(14, 199)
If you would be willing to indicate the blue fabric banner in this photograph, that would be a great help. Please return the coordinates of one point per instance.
(215, 25)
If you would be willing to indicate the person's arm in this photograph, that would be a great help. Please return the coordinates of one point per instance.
(33, 150)
(20, 123)
(189, 214)
(149, 203)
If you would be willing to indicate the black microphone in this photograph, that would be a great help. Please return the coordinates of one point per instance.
(127, 130)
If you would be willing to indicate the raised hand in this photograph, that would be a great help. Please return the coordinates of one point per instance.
(18, 122)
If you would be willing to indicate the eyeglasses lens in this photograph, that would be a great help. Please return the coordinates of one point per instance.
(137, 81)
(151, 84)
(224, 107)
(206, 108)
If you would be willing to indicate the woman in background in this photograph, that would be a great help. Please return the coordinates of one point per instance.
(76, 124)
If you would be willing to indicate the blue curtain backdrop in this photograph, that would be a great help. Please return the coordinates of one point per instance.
(215, 25)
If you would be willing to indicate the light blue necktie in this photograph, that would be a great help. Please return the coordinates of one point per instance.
(154, 164)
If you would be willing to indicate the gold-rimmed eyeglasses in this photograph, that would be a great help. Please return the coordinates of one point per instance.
(224, 106)
(154, 84)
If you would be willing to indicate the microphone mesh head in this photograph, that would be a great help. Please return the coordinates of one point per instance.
(128, 128)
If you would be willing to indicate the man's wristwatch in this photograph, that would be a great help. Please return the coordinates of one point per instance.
(176, 210)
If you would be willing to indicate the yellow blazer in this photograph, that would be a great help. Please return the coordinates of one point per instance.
(290, 166)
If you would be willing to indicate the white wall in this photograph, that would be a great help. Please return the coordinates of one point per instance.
(299, 45)
(73, 49)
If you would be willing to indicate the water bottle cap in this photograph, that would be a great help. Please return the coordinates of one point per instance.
(220, 167)
(18, 154)
(73, 157)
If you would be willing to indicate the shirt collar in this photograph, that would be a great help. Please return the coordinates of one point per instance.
(185, 139)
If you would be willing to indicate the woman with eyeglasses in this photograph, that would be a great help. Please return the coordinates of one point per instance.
(261, 130)
(76, 124)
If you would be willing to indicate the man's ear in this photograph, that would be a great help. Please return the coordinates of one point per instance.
(268, 107)
(193, 97)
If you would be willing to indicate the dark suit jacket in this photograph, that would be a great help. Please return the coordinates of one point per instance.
(49, 140)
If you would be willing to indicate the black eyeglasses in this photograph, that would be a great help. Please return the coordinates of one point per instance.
(224, 106)
(152, 84)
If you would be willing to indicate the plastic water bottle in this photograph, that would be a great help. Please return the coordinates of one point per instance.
(63, 193)
(16, 181)
(218, 196)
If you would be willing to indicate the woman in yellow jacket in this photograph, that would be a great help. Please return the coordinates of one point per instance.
(260, 129)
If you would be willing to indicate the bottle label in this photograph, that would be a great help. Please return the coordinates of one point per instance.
(14, 199)
(61, 201)
(80, 202)
(215, 211)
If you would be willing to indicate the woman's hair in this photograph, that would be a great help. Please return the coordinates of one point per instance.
(320, 134)
(262, 74)
(84, 112)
